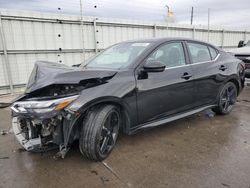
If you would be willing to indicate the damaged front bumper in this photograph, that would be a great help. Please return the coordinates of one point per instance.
(28, 144)
(37, 131)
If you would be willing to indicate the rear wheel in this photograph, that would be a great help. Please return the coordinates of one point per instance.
(99, 132)
(227, 99)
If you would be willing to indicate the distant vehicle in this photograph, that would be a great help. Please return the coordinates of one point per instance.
(128, 87)
(243, 53)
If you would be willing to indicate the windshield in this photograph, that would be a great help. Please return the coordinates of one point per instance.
(248, 43)
(117, 56)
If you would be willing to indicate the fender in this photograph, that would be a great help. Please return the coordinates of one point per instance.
(74, 118)
(236, 80)
(233, 78)
(112, 100)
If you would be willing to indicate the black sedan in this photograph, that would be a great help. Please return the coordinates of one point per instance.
(128, 87)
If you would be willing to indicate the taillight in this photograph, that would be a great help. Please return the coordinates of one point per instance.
(243, 65)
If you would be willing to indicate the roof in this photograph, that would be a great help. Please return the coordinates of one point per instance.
(162, 40)
(156, 40)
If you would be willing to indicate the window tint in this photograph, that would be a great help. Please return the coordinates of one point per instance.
(170, 54)
(199, 52)
(213, 52)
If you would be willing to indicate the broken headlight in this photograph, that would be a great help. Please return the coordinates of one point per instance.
(42, 106)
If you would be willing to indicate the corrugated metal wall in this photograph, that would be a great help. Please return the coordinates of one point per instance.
(31, 36)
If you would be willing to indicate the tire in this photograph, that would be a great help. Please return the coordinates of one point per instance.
(99, 132)
(227, 99)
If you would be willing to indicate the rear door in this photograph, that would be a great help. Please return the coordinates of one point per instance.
(209, 72)
(165, 93)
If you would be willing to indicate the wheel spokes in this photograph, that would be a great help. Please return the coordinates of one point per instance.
(104, 144)
(112, 138)
(232, 96)
(109, 133)
(231, 93)
(224, 100)
(226, 104)
(229, 98)
(108, 122)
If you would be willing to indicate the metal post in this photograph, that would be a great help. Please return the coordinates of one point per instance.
(6, 59)
(245, 36)
(95, 36)
(193, 34)
(82, 30)
(208, 24)
(167, 29)
(222, 38)
(192, 15)
(155, 30)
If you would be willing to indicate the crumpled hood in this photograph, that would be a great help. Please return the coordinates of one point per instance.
(49, 73)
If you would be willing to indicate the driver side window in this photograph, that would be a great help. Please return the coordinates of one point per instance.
(170, 54)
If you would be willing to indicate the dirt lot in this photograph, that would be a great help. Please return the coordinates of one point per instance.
(194, 152)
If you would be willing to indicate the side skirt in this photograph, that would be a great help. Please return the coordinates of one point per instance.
(168, 119)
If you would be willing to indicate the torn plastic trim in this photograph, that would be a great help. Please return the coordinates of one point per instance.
(71, 119)
(29, 145)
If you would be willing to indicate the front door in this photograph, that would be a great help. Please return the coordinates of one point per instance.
(165, 93)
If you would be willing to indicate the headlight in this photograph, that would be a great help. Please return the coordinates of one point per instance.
(42, 106)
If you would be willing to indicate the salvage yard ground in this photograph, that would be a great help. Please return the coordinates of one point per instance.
(198, 151)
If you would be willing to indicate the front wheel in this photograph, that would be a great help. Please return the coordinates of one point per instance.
(227, 98)
(99, 132)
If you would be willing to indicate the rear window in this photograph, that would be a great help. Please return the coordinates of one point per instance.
(213, 53)
(199, 52)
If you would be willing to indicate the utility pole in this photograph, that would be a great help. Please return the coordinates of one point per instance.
(6, 59)
(208, 24)
(192, 15)
(82, 30)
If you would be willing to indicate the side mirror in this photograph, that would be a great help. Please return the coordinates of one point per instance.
(154, 66)
(241, 44)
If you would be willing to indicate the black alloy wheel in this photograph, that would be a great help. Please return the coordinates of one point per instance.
(109, 132)
(227, 99)
(99, 132)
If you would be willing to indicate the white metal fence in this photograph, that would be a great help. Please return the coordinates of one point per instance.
(26, 37)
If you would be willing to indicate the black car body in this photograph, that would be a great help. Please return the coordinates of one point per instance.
(166, 79)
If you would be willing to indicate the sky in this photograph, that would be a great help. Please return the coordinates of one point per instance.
(223, 13)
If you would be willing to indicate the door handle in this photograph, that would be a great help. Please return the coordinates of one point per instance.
(186, 76)
(222, 68)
